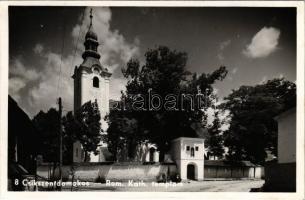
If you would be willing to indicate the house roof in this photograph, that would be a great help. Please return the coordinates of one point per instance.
(285, 113)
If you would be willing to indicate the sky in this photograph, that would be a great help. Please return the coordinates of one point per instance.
(46, 43)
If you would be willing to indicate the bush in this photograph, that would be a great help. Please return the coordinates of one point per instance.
(176, 178)
(161, 178)
(100, 179)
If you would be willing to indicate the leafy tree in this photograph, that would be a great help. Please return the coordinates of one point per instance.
(85, 126)
(164, 72)
(47, 125)
(122, 131)
(214, 140)
(253, 130)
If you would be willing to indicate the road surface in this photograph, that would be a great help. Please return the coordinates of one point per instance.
(189, 186)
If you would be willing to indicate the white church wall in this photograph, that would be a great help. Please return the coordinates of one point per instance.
(84, 92)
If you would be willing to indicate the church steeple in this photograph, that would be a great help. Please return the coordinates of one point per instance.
(91, 42)
(91, 83)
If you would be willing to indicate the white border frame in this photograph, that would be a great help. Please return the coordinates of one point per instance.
(4, 194)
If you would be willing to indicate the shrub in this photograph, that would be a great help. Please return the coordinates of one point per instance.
(161, 178)
(100, 179)
(176, 178)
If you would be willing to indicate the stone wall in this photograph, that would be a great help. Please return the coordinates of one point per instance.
(125, 171)
(108, 171)
(233, 172)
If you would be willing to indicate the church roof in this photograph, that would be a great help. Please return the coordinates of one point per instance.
(91, 34)
(90, 55)
(91, 42)
(90, 61)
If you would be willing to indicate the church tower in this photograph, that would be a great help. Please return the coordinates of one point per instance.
(91, 83)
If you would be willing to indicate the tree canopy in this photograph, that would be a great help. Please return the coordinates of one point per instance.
(214, 140)
(47, 125)
(253, 130)
(85, 127)
(164, 75)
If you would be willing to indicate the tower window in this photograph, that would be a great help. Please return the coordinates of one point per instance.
(96, 82)
(192, 152)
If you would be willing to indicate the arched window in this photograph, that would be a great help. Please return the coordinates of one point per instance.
(96, 82)
(192, 152)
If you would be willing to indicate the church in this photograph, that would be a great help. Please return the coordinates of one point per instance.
(91, 83)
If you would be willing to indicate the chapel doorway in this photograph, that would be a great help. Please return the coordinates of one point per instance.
(191, 171)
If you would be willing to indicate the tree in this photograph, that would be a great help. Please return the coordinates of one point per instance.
(47, 125)
(85, 127)
(164, 73)
(253, 130)
(214, 140)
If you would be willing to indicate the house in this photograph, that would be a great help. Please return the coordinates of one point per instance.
(21, 137)
(22, 150)
(280, 175)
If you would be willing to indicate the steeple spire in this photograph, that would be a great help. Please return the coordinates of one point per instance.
(91, 17)
(91, 42)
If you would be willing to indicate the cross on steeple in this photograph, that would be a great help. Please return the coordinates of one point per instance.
(91, 17)
(91, 41)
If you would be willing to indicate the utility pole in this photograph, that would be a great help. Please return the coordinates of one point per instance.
(60, 141)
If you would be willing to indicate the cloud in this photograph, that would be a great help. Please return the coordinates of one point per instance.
(15, 85)
(114, 49)
(117, 85)
(53, 83)
(263, 43)
(19, 77)
(38, 48)
(264, 79)
(222, 46)
(17, 68)
(44, 89)
(234, 70)
(223, 116)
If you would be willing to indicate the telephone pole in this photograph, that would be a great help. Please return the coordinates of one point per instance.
(60, 141)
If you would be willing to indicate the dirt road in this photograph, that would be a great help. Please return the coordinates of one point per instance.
(190, 186)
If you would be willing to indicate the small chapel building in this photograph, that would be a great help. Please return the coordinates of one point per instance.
(188, 154)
